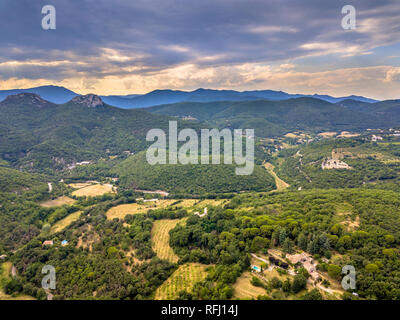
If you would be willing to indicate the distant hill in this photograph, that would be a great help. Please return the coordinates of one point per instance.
(270, 118)
(158, 97)
(354, 104)
(50, 93)
(389, 109)
(372, 165)
(335, 100)
(119, 101)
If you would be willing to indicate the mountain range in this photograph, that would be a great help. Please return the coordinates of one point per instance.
(61, 95)
(36, 133)
(272, 118)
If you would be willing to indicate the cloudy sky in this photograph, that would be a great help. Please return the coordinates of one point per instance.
(135, 46)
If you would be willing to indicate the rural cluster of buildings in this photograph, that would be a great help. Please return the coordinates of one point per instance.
(51, 242)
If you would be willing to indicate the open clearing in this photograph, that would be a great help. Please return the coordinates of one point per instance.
(94, 190)
(346, 134)
(160, 239)
(328, 134)
(58, 202)
(343, 209)
(350, 224)
(244, 289)
(134, 208)
(122, 210)
(291, 135)
(211, 202)
(79, 185)
(280, 184)
(63, 223)
(182, 279)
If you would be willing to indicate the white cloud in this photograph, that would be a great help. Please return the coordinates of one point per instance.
(271, 29)
(380, 82)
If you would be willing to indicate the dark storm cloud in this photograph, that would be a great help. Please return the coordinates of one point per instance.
(153, 35)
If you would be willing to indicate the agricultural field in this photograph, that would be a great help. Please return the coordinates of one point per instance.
(328, 134)
(63, 223)
(122, 210)
(79, 185)
(280, 184)
(94, 190)
(212, 202)
(244, 289)
(64, 200)
(346, 134)
(160, 239)
(182, 279)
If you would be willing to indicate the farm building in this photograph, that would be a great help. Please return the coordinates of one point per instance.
(48, 243)
(307, 262)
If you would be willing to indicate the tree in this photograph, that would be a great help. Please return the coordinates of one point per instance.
(259, 243)
(112, 251)
(313, 295)
(372, 268)
(286, 286)
(13, 286)
(282, 236)
(391, 253)
(334, 271)
(46, 228)
(184, 295)
(299, 283)
(304, 272)
(263, 266)
(276, 283)
(287, 246)
(302, 241)
(256, 282)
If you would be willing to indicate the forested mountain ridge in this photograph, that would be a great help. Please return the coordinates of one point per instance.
(271, 118)
(38, 134)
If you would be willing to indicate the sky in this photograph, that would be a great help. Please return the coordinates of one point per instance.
(127, 47)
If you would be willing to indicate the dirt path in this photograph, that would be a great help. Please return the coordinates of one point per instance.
(298, 154)
(280, 184)
(13, 271)
(49, 294)
(259, 258)
(163, 193)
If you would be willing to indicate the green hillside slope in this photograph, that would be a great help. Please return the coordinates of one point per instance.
(136, 173)
(38, 135)
(270, 118)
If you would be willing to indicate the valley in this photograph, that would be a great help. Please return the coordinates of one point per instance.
(123, 229)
